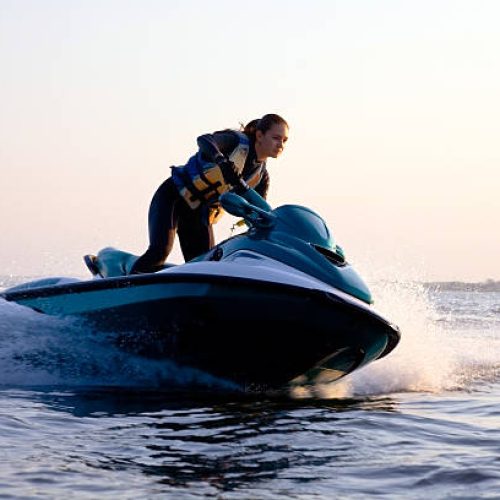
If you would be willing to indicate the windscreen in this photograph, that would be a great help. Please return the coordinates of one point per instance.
(304, 224)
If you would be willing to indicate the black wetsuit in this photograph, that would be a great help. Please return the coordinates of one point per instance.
(169, 212)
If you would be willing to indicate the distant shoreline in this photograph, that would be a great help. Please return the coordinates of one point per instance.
(488, 285)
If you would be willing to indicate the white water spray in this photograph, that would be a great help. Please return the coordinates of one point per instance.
(432, 356)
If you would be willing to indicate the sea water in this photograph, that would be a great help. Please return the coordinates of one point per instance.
(81, 419)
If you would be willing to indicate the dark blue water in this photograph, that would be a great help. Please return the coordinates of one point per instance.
(79, 419)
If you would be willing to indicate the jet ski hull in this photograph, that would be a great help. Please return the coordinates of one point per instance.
(256, 333)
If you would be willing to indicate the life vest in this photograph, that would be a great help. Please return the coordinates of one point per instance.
(202, 181)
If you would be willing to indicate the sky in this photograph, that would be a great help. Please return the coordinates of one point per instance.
(393, 107)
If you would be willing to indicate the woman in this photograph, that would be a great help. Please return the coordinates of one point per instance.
(187, 203)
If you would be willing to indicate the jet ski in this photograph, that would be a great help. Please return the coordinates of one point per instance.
(275, 306)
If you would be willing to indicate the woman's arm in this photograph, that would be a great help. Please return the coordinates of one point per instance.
(218, 144)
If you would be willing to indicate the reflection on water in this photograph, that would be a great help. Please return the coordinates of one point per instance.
(224, 441)
(99, 402)
(144, 444)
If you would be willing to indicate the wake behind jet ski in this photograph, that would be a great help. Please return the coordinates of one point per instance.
(275, 306)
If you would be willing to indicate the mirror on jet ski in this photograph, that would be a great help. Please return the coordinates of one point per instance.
(253, 215)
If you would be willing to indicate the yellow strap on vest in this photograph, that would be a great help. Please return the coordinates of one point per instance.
(214, 175)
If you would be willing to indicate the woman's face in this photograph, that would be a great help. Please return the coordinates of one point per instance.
(271, 143)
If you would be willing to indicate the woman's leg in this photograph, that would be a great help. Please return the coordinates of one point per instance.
(196, 236)
(162, 222)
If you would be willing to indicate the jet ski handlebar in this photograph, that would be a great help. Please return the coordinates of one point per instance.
(246, 207)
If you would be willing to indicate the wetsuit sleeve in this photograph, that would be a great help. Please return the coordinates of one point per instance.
(217, 144)
(263, 186)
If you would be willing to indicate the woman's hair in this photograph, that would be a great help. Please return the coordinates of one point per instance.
(263, 124)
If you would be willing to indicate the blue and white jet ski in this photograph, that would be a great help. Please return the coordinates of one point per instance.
(275, 306)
